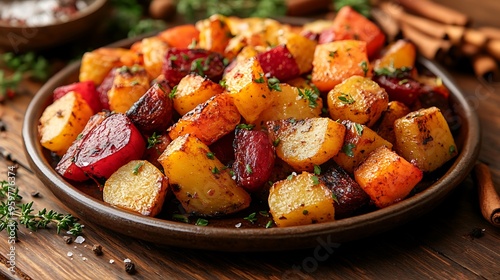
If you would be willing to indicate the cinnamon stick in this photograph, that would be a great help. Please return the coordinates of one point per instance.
(428, 46)
(490, 32)
(489, 200)
(387, 23)
(484, 65)
(474, 37)
(435, 11)
(493, 48)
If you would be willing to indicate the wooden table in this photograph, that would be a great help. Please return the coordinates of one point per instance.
(437, 245)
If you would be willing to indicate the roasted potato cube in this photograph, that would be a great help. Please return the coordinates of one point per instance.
(62, 121)
(300, 200)
(249, 88)
(154, 110)
(359, 141)
(424, 138)
(193, 90)
(214, 33)
(306, 143)
(137, 186)
(385, 127)
(400, 54)
(153, 51)
(387, 177)
(336, 61)
(292, 102)
(209, 121)
(199, 181)
(129, 84)
(301, 48)
(86, 89)
(97, 63)
(357, 99)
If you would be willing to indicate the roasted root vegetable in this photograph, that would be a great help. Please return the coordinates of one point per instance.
(359, 141)
(400, 54)
(300, 200)
(358, 99)
(154, 110)
(423, 137)
(153, 51)
(97, 63)
(137, 186)
(156, 144)
(181, 36)
(394, 111)
(214, 33)
(292, 102)
(387, 177)
(111, 144)
(336, 61)
(193, 90)
(301, 48)
(199, 181)
(209, 121)
(306, 143)
(129, 85)
(254, 159)
(249, 89)
(86, 89)
(62, 121)
(279, 62)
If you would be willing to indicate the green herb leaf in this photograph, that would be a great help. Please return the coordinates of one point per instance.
(310, 95)
(171, 95)
(269, 224)
(137, 167)
(180, 218)
(264, 213)
(335, 198)
(210, 155)
(348, 149)
(274, 84)
(364, 67)
(153, 140)
(215, 170)
(452, 149)
(358, 128)
(317, 169)
(201, 222)
(248, 169)
(251, 218)
(260, 80)
(276, 142)
(245, 126)
(315, 180)
(346, 98)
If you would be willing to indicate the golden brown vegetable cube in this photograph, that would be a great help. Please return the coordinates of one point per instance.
(129, 85)
(359, 141)
(200, 181)
(292, 102)
(98, 63)
(153, 51)
(424, 138)
(209, 121)
(357, 99)
(400, 54)
(306, 143)
(193, 90)
(62, 121)
(300, 200)
(301, 48)
(248, 87)
(394, 111)
(336, 61)
(387, 177)
(137, 186)
(214, 33)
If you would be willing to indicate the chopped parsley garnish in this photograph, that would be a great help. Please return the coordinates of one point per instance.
(215, 170)
(248, 169)
(364, 67)
(274, 84)
(138, 166)
(393, 72)
(332, 54)
(153, 140)
(251, 218)
(260, 80)
(290, 177)
(199, 66)
(264, 213)
(201, 222)
(245, 126)
(317, 170)
(346, 98)
(359, 129)
(315, 179)
(347, 149)
(269, 224)
(276, 142)
(452, 149)
(335, 198)
(80, 136)
(210, 155)
(223, 83)
(171, 95)
(310, 95)
(403, 81)
(172, 57)
(180, 218)
(193, 44)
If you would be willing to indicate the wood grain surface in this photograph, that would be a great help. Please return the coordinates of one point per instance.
(438, 245)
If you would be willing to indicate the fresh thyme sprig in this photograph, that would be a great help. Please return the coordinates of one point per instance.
(12, 214)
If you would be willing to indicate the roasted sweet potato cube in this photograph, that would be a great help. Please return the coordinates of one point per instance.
(359, 141)
(97, 63)
(358, 99)
(394, 111)
(334, 62)
(279, 62)
(153, 51)
(137, 186)
(180, 36)
(214, 33)
(306, 143)
(209, 121)
(300, 200)
(62, 121)
(292, 102)
(348, 25)
(400, 54)
(301, 48)
(249, 89)
(423, 137)
(387, 177)
(199, 181)
(154, 110)
(129, 84)
(193, 90)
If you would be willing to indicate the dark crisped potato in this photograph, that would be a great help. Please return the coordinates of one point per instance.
(180, 62)
(111, 144)
(254, 159)
(279, 62)
(157, 143)
(348, 195)
(66, 166)
(153, 111)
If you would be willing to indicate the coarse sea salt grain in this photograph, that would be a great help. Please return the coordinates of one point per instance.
(111, 261)
(69, 254)
(79, 239)
(126, 260)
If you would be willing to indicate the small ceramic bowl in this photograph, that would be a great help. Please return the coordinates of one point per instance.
(19, 38)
